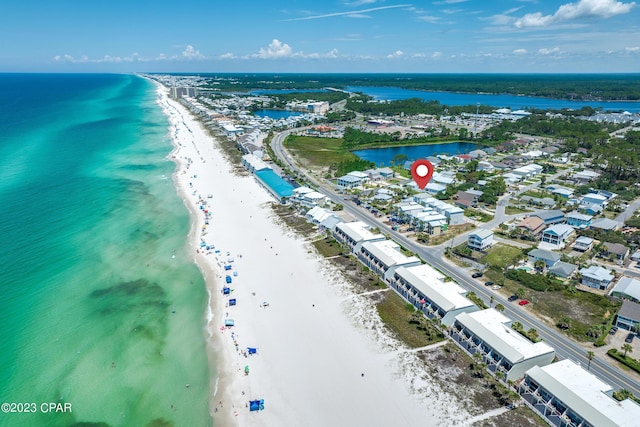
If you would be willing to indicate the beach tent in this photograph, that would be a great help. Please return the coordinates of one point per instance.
(228, 279)
(232, 301)
(228, 322)
(235, 274)
(256, 405)
(227, 267)
(226, 291)
(252, 350)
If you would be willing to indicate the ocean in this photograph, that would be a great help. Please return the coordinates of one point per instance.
(102, 307)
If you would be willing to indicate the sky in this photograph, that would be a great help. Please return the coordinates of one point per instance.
(280, 36)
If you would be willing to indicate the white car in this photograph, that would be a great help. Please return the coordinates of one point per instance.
(496, 287)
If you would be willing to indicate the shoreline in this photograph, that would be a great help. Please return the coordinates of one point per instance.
(323, 355)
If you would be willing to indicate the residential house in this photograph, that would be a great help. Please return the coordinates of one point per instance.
(551, 216)
(545, 202)
(480, 240)
(435, 188)
(616, 250)
(627, 288)
(596, 277)
(564, 192)
(349, 181)
(563, 269)
(583, 243)
(533, 225)
(557, 234)
(584, 176)
(578, 220)
(628, 316)
(429, 292)
(566, 394)
(549, 258)
(594, 198)
(604, 224)
(488, 332)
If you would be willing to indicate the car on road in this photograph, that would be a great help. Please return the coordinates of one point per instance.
(512, 298)
(629, 338)
(523, 302)
(476, 275)
(488, 283)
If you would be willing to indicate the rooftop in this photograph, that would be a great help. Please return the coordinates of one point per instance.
(585, 394)
(388, 253)
(358, 231)
(447, 295)
(628, 286)
(493, 328)
(630, 310)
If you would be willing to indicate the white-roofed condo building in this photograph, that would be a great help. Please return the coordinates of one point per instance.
(566, 394)
(384, 257)
(354, 234)
(426, 288)
(504, 350)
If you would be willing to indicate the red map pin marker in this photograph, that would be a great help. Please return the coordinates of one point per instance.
(422, 171)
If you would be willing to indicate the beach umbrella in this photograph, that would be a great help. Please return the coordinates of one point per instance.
(246, 369)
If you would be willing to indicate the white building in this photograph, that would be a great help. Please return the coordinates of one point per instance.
(480, 240)
(596, 277)
(566, 394)
(504, 350)
(426, 288)
(354, 234)
(384, 257)
(308, 197)
(557, 235)
(253, 163)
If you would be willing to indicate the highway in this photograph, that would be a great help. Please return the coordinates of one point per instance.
(564, 346)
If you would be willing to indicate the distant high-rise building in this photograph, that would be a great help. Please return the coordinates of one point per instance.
(179, 92)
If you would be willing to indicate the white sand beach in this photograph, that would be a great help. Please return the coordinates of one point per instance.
(323, 357)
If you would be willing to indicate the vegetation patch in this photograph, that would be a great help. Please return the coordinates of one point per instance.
(502, 256)
(407, 323)
(624, 358)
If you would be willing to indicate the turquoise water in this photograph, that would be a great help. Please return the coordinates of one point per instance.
(101, 305)
(384, 156)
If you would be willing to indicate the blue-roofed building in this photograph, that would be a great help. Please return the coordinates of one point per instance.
(277, 186)
(578, 220)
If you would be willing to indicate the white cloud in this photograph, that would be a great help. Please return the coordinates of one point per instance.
(450, 1)
(396, 54)
(356, 12)
(227, 55)
(519, 51)
(580, 9)
(436, 55)
(544, 51)
(276, 49)
(191, 53)
(635, 49)
(429, 19)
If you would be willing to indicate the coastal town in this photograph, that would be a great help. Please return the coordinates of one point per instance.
(513, 250)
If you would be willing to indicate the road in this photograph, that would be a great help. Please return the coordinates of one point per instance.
(564, 346)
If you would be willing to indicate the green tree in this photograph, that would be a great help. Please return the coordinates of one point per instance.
(399, 159)
(499, 307)
(521, 293)
(564, 323)
(627, 348)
